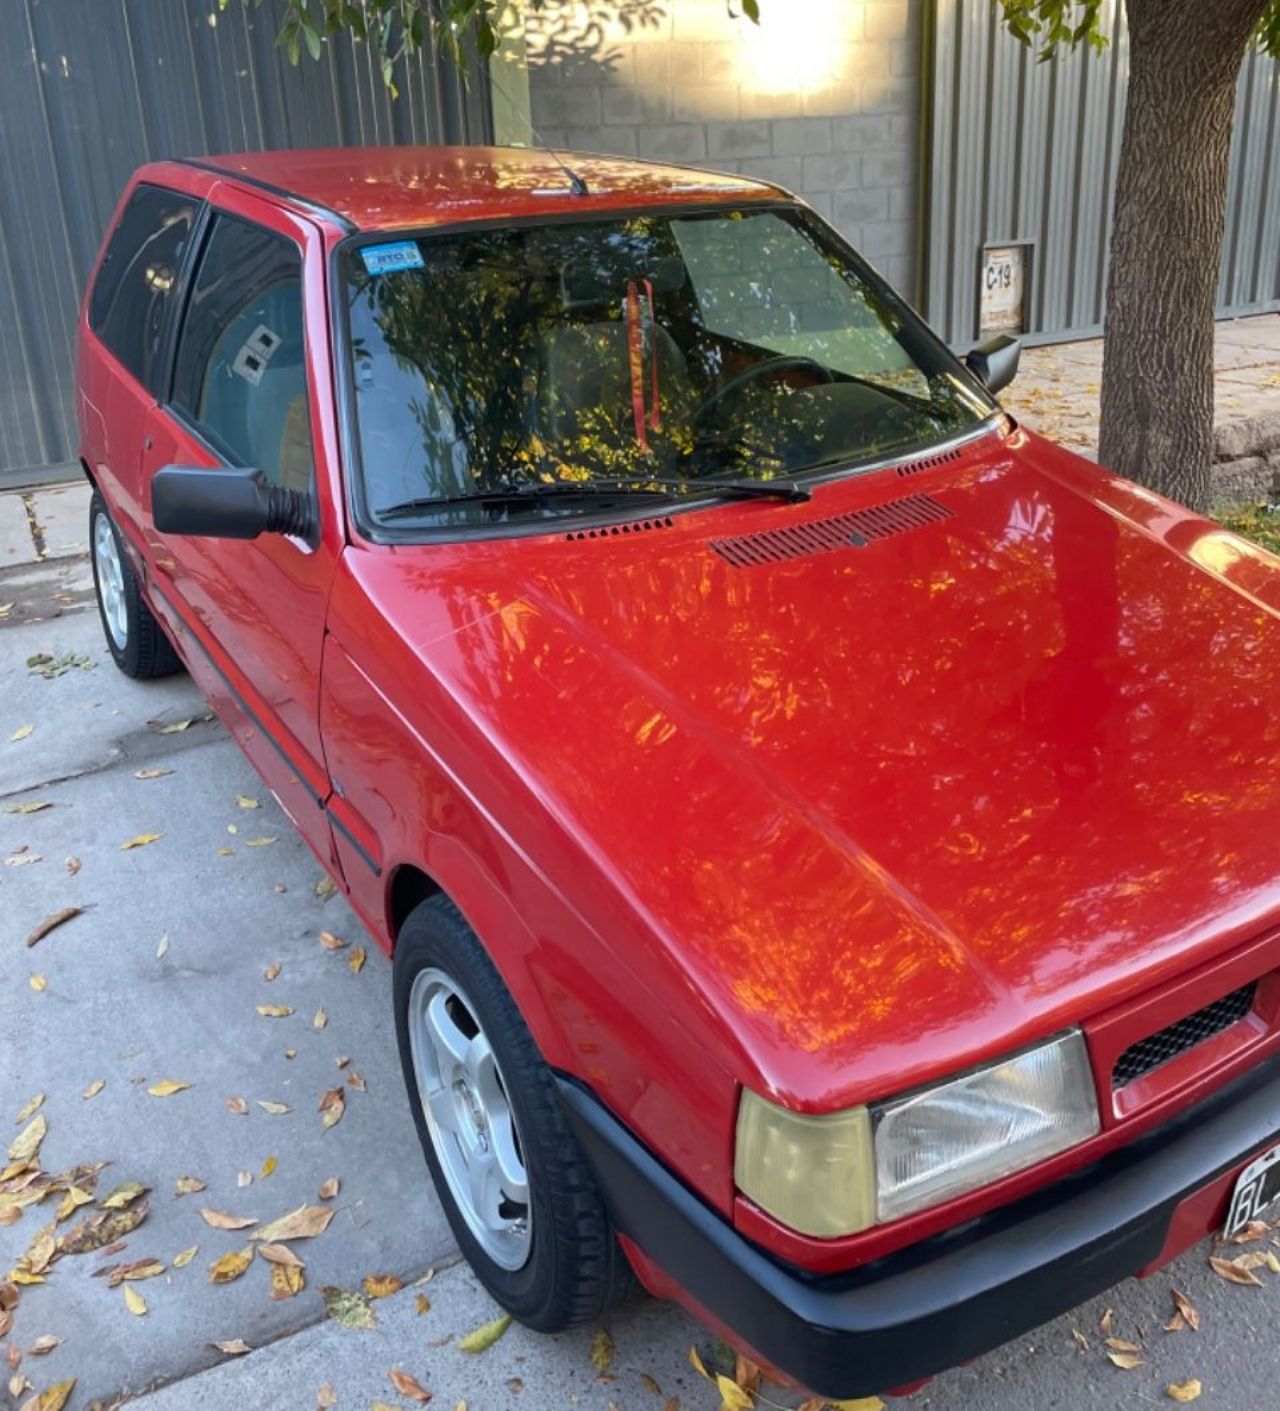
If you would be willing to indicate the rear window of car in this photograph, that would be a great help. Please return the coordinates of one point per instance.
(139, 274)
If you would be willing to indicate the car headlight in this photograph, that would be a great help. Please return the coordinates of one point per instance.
(838, 1174)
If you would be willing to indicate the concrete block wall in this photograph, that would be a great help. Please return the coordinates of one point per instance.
(822, 98)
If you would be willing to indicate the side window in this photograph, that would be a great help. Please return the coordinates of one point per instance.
(241, 370)
(139, 272)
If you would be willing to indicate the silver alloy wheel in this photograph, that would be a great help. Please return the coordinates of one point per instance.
(106, 559)
(469, 1118)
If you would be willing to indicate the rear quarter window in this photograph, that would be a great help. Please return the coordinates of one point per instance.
(139, 275)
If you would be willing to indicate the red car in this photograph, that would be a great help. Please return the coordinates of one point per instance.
(825, 834)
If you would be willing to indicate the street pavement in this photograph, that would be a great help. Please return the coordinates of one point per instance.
(121, 1005)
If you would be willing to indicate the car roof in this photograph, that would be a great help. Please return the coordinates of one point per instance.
(385, 188)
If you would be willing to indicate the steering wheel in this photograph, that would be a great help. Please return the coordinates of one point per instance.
(780, 363)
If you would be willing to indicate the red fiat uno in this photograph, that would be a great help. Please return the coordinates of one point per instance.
(825, 835)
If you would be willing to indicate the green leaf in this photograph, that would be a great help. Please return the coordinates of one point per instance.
(481, 1339)
(312, 36)
(751, 8)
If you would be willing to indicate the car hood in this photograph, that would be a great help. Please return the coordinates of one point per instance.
(898, 806)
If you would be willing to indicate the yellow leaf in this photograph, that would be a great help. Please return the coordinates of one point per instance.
(482, 1338)
(268, 1166)
(22, 732)
(696, 1363)
(1126, 1361)
(601, 1351)
(862, 1403)
(167, 1088)
(356, 959)
(94, 1088)
(140, 841)
(246, 802)
(274, 1011)
(28, 1107)
(230, 1266)
(176, 728)
(27, 1143)
(54, 1398)
(260, 842)
(320, 1020)
(31, 806)
(1119, 1345)
(286, 1281)
(1184, 1391)
(325, 888)
(382, 1285)
(123, 1195)
(421, 1304)
(151, 773)
(134, 1301)
(331, 942)
(185, 1256)
(38, 983)
(732, 1396)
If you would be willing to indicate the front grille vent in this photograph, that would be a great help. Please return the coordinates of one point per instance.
(842, 531)
(1149, 1054)
(631, 526)
(915, 467)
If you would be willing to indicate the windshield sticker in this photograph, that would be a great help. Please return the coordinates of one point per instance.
(386, 259)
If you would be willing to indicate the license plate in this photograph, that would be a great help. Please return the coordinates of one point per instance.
(1256, 1188)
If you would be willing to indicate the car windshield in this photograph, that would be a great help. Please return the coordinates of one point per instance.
(652, 353)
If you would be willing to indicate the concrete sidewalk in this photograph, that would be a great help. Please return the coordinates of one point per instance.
(1058, 388)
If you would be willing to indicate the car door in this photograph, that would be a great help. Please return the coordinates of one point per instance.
(250, 365)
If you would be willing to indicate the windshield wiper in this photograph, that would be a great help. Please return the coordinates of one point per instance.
(608, 489)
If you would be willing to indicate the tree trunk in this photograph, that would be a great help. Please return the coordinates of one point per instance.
(1166, 243)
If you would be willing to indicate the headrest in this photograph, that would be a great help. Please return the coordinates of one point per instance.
(594, 284)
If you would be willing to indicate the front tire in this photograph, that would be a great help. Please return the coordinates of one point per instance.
(137, 642)
(517, 1191)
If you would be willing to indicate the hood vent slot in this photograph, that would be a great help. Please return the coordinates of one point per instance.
(842, 531)
(915, 467)
(631, 526)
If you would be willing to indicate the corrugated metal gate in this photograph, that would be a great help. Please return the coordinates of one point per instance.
(89, 89)
(1023, 152)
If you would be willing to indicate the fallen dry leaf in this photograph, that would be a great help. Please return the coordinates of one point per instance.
(22, 732)
(27, 1143)
(123, 1195)
(1254, 1230)
(271, 972)
(325, 888)
(176, 728)
(746, 1374)
(94, 1089)
(162, 946)
(134, 1302)
(1080, 1339)
(32, 806)
(349, 1308)
(29, 1108)
(1119, 1345)
(152, 773)
(331, 942)
(1105, 1322)
(332, 1105)
(244, 1178)
(188, 1185)
(381, 1285)
(421, 1304)
(53, 1398)
(244, 801)
(320, 1020)
(1184, 1391)
(140, 840)
(305, 1222)
(280, 1254)
(51, 923)
(732, 1396)
(73, 866)
(409, 1386)
(38, 983)
(46, 1343)
(268, 1166)
(1231, 1270)
(326, 1397)
(276, 1109)
(274, 1011)
(357, 1082)
(482, 1338)
(260, 842)
(185, 1256)
(238, 1106)
(286, 1280)
(167, 1088)
(230, 1266)
(103, 1228)
(601, 1351)
(1126, 1361)
(329, 1188)
(1187, 1310)
(356, 959)
(221, 1220)
(9, 1215)
(233, 1347)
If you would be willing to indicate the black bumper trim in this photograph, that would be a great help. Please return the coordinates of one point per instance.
(946, 1299)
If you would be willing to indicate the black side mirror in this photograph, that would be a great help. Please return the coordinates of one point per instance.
(995, 362)
(227, 504)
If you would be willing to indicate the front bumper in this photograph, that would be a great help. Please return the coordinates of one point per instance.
(949, 1298)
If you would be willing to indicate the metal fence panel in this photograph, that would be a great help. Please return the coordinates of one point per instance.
(89, 89)
(1026, 151)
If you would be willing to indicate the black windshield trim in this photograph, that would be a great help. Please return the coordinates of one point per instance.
(359, 513)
